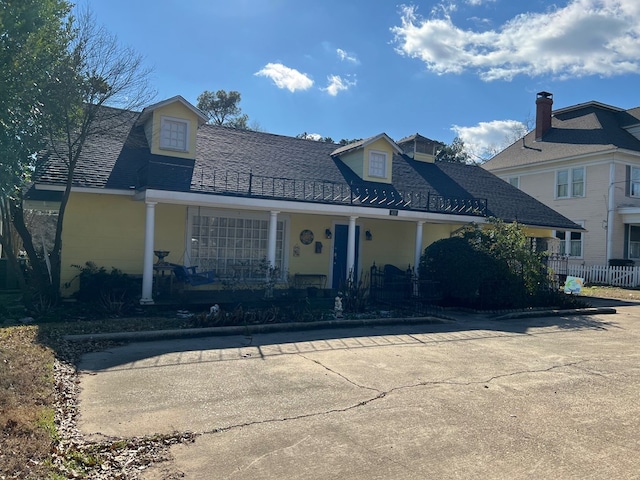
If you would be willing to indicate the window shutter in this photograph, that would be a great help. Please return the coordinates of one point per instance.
(627, 181)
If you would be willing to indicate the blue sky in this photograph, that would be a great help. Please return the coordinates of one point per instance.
(356, 68)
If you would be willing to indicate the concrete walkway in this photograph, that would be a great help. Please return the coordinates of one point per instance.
(551, 397)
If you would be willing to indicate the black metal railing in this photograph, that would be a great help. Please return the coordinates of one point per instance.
(323, 191)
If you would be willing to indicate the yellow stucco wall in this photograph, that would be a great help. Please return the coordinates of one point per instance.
(392, 242)
(175, 110)
(309, 262)
(108, 230)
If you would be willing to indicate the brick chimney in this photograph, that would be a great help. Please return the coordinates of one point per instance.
(544, 101)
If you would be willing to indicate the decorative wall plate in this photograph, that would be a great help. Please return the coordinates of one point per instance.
(306, 237)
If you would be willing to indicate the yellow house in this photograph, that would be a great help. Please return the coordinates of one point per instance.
(171, 188)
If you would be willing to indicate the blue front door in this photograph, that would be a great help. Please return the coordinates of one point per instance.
(340, 240)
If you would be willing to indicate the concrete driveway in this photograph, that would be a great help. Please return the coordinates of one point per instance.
(534, 398)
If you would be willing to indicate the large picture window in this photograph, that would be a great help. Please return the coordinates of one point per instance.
(235, 247)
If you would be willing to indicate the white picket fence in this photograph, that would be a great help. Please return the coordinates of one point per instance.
(604, 275)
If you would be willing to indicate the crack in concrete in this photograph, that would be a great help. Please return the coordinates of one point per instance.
(339, 374)
(380, 395)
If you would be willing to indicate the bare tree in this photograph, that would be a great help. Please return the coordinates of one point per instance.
(94, 89)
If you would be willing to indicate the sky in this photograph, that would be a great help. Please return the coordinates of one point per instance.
(350, 69)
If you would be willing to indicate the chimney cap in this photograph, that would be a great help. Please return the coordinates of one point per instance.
(545, 95)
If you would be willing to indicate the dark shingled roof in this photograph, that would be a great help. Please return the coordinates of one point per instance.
(238, 161)
(586, 129)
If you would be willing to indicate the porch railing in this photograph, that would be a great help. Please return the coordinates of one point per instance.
(322, 191)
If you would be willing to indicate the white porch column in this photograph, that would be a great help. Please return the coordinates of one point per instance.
(351, 248)
(418, 250)
(147, 269)
(271, 242)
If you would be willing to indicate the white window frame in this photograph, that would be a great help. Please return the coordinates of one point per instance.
(635, 250)
(375, 170)
(634, 184)
(169, 143)
(568, 241)
(571, 184)
(242, 259)
(515, 181)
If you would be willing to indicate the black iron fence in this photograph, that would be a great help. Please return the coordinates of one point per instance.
(557, 268)
(319, 191)
(401, 289)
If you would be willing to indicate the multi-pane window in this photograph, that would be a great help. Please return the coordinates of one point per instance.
(634, 241)
(173, 134)
(634, 187)
(570, 243)
(378, 164)
(234, 247)
(515, 181)
(570, 183)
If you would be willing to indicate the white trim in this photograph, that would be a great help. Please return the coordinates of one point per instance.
(104, 191)
(147, 111)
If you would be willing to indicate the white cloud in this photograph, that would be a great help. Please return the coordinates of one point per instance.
(476, 3)
(488, 138)
(338, 84)
(343, 55)
(587, 37)
(285, 77)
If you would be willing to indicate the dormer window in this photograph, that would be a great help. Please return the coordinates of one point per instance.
(174, 134)
(377, 164)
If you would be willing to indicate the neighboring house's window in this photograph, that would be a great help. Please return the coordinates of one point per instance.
(634, 241)
(378, 164)
(570, 183)
(515, 181)
(571, 243)
(634, 187)
(234, 247)
(174, 134)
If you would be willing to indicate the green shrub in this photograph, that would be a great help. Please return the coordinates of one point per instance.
(489, 268)
(112, 291)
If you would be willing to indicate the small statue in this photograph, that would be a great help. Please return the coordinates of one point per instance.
(337, 307)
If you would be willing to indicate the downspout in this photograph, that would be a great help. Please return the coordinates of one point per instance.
(611, 204)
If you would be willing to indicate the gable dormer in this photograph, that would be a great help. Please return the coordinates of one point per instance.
(371, 159)
(171, 126)
(420, 148)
